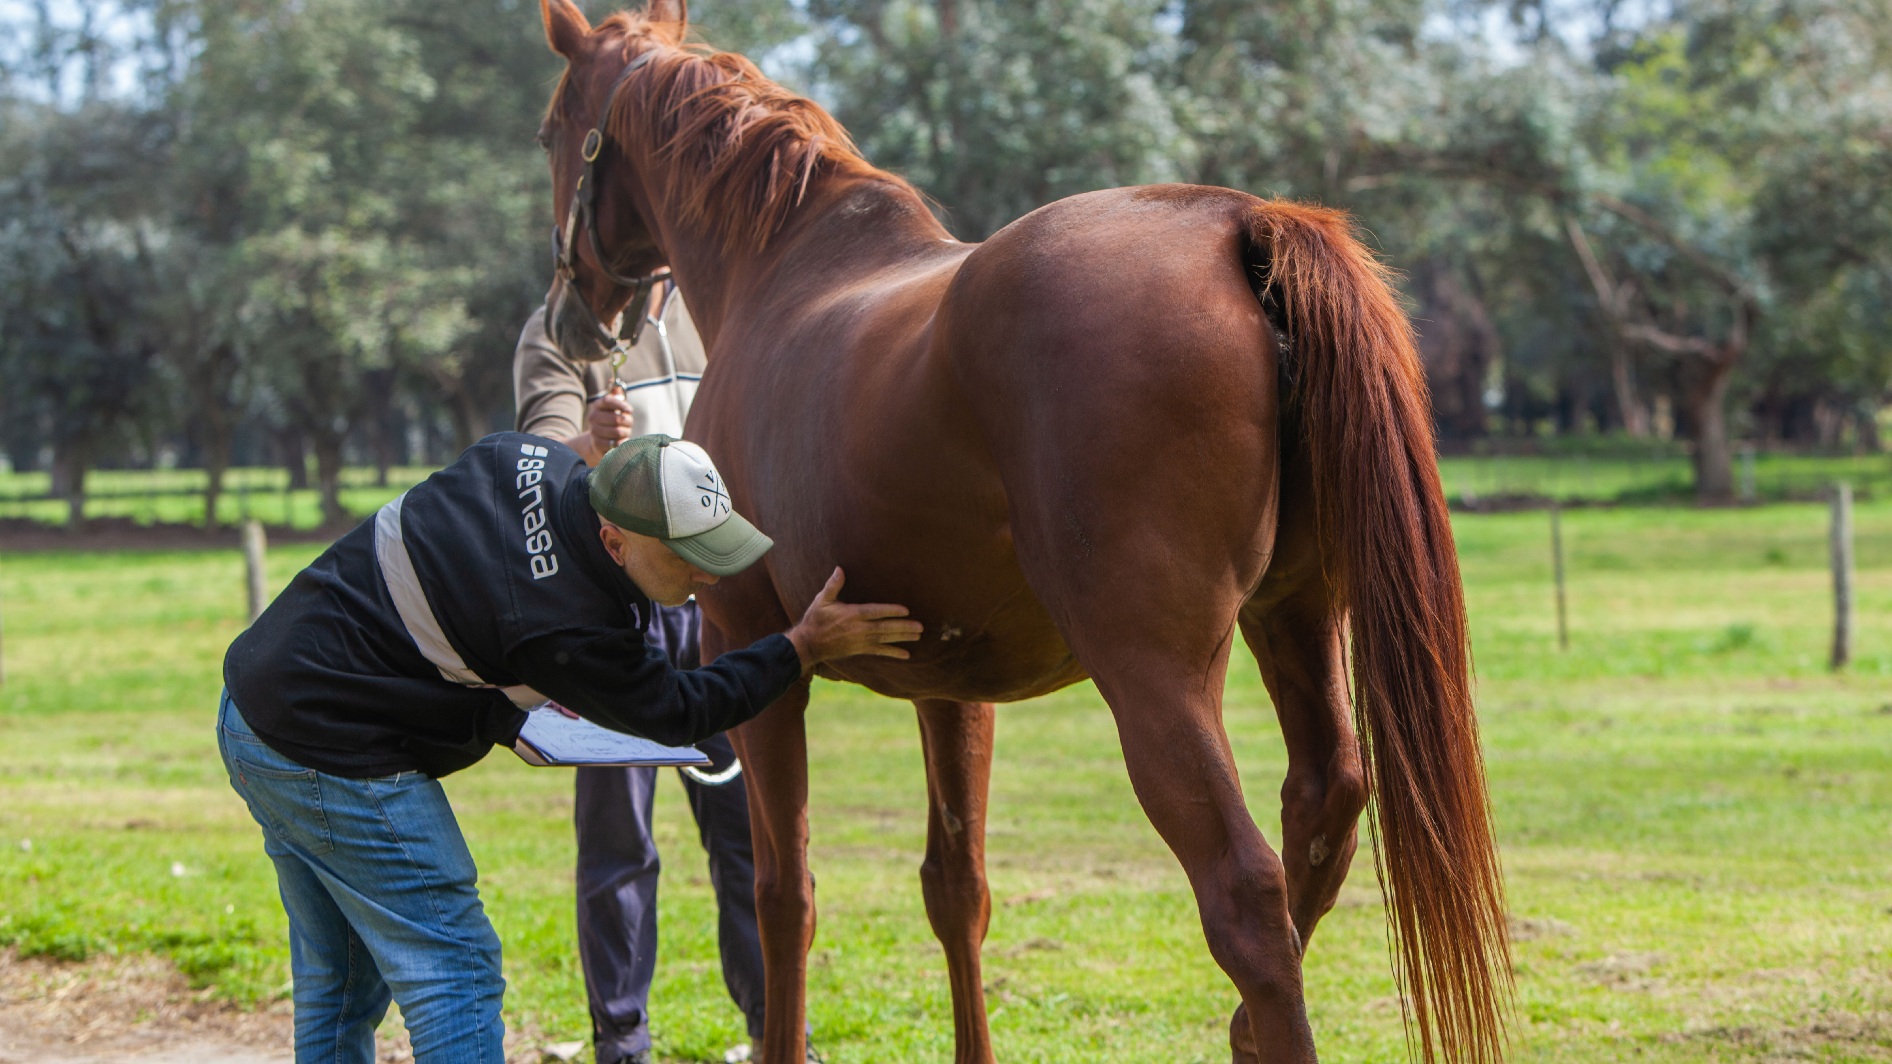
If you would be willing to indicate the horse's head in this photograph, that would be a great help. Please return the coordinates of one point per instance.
(605, 250)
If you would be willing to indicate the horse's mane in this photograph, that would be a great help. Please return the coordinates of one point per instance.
(749, 149)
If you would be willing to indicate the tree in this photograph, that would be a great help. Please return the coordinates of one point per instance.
(324, 218)
(1822, 224)
(996, 109)
(76, 285)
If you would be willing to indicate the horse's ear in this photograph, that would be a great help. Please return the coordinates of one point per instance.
(565, 26)
(677, 11)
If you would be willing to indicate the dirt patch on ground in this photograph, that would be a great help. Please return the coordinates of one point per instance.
(1838, 1036)
(1626, 971)
(140, 1008)
(1532, 928)
(136, 1008)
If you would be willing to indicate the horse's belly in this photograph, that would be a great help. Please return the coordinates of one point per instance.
(866, 456)
(968, 666)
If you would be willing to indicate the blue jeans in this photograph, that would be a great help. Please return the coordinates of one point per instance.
(382, 901)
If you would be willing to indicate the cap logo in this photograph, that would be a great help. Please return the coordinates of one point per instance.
(696, 498)
(714, 497)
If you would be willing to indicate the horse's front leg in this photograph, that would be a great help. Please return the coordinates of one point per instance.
(774, 752)
(957, 738)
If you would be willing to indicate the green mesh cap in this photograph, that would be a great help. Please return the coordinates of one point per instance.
(668, 489)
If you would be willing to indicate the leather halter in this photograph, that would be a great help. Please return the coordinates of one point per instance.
(583, 214)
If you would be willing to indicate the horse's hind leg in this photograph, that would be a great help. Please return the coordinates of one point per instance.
(957, 738)
(1184, 774)
(1294, 629)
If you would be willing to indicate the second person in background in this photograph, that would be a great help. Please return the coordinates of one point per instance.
(591, 408)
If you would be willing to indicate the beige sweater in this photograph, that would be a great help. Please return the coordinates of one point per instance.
(659, 375)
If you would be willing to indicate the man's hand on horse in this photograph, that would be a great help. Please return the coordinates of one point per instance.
(831, 630)
(608, 420)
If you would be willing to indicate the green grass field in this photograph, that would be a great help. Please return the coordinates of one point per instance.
(1696, 820)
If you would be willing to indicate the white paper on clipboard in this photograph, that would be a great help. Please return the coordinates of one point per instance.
(550, 738)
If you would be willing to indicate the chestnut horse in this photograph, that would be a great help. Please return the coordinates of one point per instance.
(1099, 444)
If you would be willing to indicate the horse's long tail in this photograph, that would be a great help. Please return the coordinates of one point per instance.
(1366, 421)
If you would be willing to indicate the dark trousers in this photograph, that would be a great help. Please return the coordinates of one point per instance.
(617, 877)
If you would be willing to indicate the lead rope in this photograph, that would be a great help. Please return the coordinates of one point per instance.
(714, 779)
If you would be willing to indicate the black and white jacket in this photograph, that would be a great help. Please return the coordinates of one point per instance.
(414, 640)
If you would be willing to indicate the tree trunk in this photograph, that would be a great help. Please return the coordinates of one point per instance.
(60, 471)
(70, 464)
(378, 421)
(1714, 458)
(216, 462)
(293, 449)
(466, 419)
(1612, 299)
(328, 473)
(1459, 346)
(209, 380)
(1629, 407)
(1868, 442)
(383, 457)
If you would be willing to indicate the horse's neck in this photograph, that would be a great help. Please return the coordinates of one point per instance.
(843, 229)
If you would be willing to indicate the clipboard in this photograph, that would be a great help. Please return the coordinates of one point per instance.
(550, 739)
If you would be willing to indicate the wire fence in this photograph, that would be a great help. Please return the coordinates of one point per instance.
(1476, 482)
(176, 496)
(1489, 482)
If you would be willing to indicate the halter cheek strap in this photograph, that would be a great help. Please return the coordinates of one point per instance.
(582, 214)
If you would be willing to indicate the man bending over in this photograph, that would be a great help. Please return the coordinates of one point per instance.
(406, 651)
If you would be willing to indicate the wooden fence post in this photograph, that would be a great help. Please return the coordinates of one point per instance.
(1842, 552)
(1750, 490)
(1557, 567)
(254, 551)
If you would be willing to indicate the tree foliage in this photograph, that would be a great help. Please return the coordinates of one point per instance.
(263, 227)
